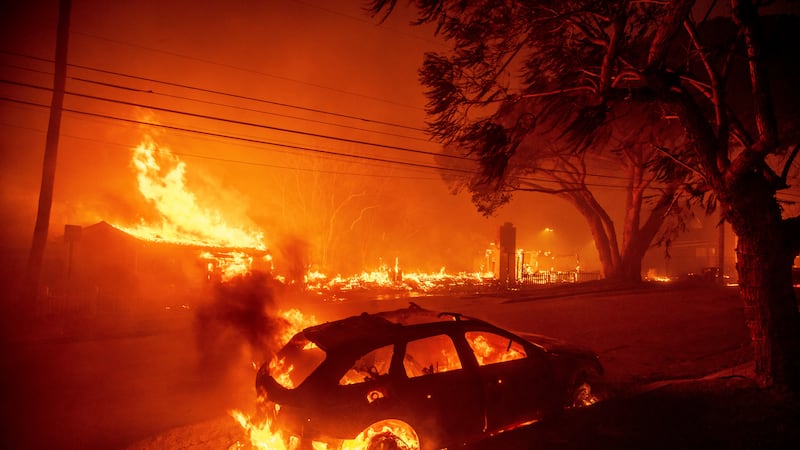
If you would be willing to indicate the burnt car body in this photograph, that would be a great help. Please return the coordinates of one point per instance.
(417, 379)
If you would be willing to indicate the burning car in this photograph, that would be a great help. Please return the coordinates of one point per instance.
(416, 379)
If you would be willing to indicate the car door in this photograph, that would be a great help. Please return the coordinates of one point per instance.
(514, 379)
(364, 394)
(442, 398)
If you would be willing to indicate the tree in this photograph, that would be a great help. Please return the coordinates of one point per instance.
(479, 108)
(582, 60)
(542, 163)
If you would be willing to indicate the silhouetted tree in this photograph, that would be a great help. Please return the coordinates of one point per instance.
(623, 162)
(582, 61)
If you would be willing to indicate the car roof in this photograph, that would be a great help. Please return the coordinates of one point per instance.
(377, 328)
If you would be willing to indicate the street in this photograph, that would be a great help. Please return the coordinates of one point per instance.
(130, 380)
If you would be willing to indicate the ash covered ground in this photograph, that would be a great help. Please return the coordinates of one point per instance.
(167, 379)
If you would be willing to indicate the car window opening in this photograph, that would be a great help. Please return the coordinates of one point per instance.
(369, 367)
(431, 355)
(296, 361)
(491, 348)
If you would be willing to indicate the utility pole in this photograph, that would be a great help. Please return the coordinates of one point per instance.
(721, 250)
(34, 269)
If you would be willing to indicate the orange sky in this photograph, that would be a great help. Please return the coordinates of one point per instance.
(324, 56)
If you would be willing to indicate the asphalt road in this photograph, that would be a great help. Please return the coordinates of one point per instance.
(109, 382)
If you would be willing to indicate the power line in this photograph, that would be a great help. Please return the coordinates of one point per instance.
(342, 139)
(222, 93)
(236, 161)
(211, 91)
(303, 133)
(241, 108)
(241, 122)
(298, 147)
(127, 88)
(242, 69)
(246, 139)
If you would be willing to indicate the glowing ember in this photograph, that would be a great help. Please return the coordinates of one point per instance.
(584, 396)
(227, 265)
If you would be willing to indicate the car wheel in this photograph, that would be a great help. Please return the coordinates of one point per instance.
(388, 434)
(583, 392)
(386, 441)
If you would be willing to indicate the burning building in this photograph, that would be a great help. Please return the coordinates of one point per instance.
(103, 268)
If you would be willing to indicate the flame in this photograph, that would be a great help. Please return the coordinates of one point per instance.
(161, 179)
(281, 373)
(262, 438)
(260, 435)
(227, 264)
(297, 321)
(486, 353)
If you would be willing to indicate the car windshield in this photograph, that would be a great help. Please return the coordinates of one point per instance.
(296, 361)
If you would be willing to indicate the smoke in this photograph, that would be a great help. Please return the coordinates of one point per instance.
(240, 321)
(295, 252)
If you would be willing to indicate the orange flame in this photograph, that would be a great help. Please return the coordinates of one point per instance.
(260, 435)
(161, 180)
(297, 321)
(262, 438)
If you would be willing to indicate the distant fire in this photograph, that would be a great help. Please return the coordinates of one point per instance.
(232, 250)
(161, 180)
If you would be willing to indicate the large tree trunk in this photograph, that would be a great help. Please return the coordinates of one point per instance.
(764, 262)
(602, 231)
(631, 269)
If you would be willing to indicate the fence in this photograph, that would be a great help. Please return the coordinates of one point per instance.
(539, 278)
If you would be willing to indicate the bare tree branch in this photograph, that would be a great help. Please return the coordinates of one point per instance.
(677, 11)
(745, 13)
(681, 163)
(717, 99)
(610, 58)
(788, 164)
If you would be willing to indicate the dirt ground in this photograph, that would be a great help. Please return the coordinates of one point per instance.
(138, 382)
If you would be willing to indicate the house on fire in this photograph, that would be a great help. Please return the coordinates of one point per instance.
(101, 268)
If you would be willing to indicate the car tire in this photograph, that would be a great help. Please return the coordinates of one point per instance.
(389, 435)
(583, 391)
(385, 441)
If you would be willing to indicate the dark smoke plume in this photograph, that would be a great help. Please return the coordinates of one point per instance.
(296, 254)
(241, 317)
